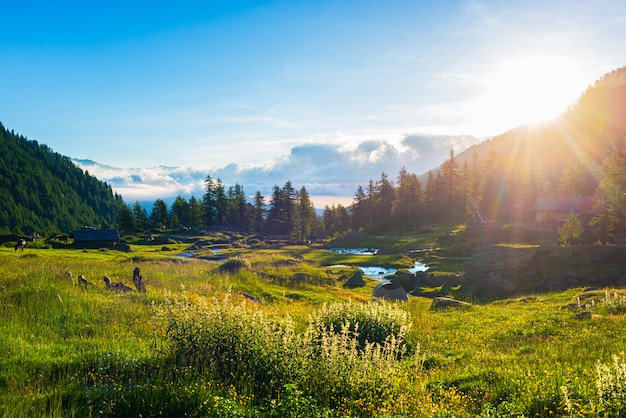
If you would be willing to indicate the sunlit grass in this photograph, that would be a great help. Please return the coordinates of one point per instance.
(69, 350)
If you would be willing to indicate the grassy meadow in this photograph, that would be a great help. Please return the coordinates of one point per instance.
(271, 332)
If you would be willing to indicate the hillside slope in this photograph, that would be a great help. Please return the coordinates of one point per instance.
(42, 191)
(580, 153)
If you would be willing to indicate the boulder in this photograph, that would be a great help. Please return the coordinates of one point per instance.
(390, 291)
(440, 303)
(501, 271)
(582, 316)
(493, 286)
(124, 247)
(406, 280)
(355, 281)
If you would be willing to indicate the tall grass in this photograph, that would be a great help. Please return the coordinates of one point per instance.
(193, 346)
(262, 357)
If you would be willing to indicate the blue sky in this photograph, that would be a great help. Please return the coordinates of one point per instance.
(327, 94)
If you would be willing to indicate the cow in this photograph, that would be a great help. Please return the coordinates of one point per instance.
(21, 244)
(61, 238)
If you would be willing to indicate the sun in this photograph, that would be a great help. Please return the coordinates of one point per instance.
(528, 89)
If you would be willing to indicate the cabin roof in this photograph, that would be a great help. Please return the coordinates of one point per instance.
(565, 204)
(90, 235)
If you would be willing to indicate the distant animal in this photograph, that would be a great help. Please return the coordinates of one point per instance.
(70, 276)
(83, 282)
(138, 281)
(61, 238)
(21, 244)
(117, 287)
(16, 237)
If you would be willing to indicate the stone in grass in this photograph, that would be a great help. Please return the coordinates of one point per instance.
(440, 303)
(355, 281)
(582, 316)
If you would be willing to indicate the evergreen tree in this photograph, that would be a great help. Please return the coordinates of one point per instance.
(303, 216)
(610, 198)
(209, 202)
(140, 217)
(277, 205)
(158, 215)
(195, 212)
(258, 212)
(239, 212)
(382, 202)
(290, 195)
(451, 190)
(180, 212)
(408, 202)
(360, 209)
(125, 221)
(222, 203)
(571, 229)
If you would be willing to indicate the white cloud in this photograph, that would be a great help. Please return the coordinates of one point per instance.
(331, 171)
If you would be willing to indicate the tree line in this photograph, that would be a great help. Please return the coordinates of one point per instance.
(581, 153)
(290, 212)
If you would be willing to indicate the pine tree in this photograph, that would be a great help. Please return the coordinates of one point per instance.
(140, 217)
(408, 203)
(195, 212)
(209, 203)
(360, 210)
(258, 212)
(125, 220)
(571, 229)
(303, 216)
(158, 215)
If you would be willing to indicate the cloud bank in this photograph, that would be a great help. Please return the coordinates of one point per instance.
(330, 171)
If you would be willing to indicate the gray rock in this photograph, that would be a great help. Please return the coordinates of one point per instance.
(124, 247)
(440, 303)
(355, 281)
(582, 316)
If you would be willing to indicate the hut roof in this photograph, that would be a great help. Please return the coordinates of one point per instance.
(93, 235)
(565, 204)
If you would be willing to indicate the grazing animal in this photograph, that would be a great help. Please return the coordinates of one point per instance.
(70, 275)
(138, 281)
(21, 244)
(61, 238)
(83, 282)
(117, 287)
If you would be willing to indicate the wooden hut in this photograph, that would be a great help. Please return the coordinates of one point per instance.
(96, 238)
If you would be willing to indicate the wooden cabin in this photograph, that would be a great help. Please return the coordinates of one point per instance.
(553, 210)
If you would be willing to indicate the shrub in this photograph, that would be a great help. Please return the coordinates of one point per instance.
(611, 387)
(614, 303)
(365, 322)
(351, 379)
(234, 265)
(239, 347)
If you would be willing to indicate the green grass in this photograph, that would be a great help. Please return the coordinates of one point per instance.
(73, 351)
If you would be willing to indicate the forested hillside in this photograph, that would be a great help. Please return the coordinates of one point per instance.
(44, 192)
(580, 153)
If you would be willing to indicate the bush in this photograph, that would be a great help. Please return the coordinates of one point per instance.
(240, 348)
(264, 360)
(611, 387)
(352, 379)
(234, 265)
(365, 322)
(614, 303)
